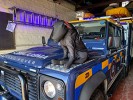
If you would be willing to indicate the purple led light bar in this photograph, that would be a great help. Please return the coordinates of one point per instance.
(31, 18)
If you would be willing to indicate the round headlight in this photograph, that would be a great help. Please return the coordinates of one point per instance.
(49, 89)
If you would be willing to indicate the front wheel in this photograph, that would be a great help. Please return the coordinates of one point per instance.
(98, 95)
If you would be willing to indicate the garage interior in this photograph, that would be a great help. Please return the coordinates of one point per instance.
(19, 33)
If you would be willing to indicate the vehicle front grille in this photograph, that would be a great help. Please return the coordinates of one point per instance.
(13, 83)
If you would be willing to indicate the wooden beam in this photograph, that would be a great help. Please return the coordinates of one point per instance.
(78, 2)
(70, 1)
(100, 4)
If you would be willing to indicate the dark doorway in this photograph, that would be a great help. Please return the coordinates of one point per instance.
(7, 39)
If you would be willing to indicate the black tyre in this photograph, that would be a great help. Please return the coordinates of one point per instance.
(98, 95)
(125, 71)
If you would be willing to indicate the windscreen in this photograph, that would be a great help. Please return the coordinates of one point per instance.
(91, 29)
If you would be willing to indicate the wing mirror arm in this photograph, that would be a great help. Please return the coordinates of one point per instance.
(43, 41)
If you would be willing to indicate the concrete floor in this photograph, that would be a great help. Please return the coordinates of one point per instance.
(124, 90)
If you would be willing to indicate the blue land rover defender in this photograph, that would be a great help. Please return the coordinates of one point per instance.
(30, 75)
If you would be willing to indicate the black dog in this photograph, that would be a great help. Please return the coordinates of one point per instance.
(73, 47)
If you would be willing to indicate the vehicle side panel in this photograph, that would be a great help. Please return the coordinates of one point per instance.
(105, 66)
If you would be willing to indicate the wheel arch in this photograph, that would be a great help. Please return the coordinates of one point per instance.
(89, 87)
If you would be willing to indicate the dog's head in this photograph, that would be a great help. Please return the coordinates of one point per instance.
(59, 31)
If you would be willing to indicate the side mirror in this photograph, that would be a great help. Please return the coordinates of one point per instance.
(43, 41)
(117, 42)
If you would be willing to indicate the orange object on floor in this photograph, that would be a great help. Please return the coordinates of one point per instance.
(124, 91)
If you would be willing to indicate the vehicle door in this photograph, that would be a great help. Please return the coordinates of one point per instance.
(131, 45)
(114, 43)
